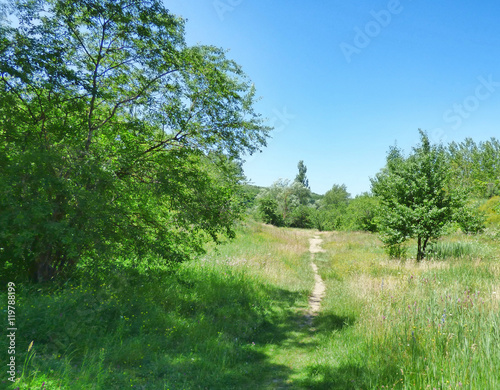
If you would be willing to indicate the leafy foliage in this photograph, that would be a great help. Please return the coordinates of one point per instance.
(302, 217)
(470, 219)
(301, 176)
(336, 197)
(268, 209)
(476, 166)
(360, 213)
(331, 209)
(416, 200)
(278, 204)
(116, 137)
(491, 210)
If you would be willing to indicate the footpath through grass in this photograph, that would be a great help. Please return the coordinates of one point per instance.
(206, 325)
(234, 319)
(408, 325)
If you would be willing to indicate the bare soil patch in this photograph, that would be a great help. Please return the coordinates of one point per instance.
(319, 286)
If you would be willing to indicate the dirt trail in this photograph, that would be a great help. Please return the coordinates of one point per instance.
(319, 286)
(304, 336)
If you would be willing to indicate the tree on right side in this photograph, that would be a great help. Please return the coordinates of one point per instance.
(416, 200)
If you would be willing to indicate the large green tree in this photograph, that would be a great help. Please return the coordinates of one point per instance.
(115, 136)
(416, 200)
(331, 208)
(280, 204)
(360, 214)
(336, 197)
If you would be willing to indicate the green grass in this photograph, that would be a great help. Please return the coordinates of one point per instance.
(234, 319)
(434, 324)
(201, 327)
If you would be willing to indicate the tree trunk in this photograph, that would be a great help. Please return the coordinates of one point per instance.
(420, 255)
(424, 246)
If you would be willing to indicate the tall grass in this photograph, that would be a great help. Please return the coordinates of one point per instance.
(412, 325)
(235, 319)
(202, 326)
(458, 250)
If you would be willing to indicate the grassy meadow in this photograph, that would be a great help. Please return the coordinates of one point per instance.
(235, 319)
(408, 325)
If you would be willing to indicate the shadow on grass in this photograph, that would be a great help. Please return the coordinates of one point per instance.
(197, 330)
(345, 377)
(327, 322)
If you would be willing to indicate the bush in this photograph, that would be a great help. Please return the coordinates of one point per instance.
(360, 214)
(396, 251)
(268, 211)
(301, 217)
(491, 209)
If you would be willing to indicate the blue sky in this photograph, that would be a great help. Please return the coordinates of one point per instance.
(342, 81)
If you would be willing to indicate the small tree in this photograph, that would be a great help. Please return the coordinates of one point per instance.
(416, 201)
(268, 210)
(337, 197)
(278, 204)
(331, 212)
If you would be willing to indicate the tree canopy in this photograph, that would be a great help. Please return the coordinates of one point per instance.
(301, 176)
(476, 166)
(416, 200)
(115, 136)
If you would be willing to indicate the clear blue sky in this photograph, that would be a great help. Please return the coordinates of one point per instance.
(341, 81)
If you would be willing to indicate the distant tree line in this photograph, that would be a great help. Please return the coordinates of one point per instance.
(292, 204)
(434, 189)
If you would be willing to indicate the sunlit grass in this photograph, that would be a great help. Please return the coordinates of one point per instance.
(234, 319)
(433, 324)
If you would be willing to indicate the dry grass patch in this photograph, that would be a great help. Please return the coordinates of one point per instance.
(367, 287)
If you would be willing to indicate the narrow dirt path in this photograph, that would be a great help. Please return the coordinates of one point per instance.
(303, 335)
(319, 286)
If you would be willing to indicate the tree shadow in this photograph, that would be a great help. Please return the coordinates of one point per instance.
(220, 331)
(327, 322)
(345, 377)
(205, 331)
